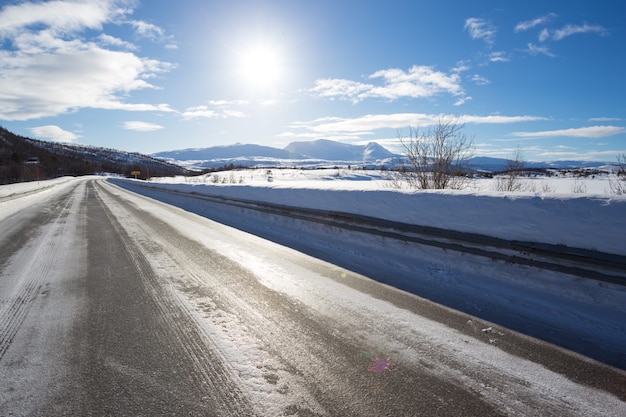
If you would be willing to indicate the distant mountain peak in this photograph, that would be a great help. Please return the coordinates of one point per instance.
(338, 151)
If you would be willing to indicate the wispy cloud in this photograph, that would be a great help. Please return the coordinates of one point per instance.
(227, 103)
(54, 133)
(417, 82)
(217, 109)
(199, 112)
(605, 119)
(479, 80)
(529, 24)
(147, 30)
(462, 100)
(481, 29)
(533, 49)
(107, 40)
(581, 132)
(498, 57)
(53, 55)
(570, 30)
(498, 119)
(551, 35)
(544, 35)
(334, 126)
(153, 32)
(141, 126)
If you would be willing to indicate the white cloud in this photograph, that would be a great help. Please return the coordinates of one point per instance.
(147, 30)
(106, 40)
(227, 103)
(539, 50)
(480, 80)
(198, 112)
(605, 119)
(529, 24)
(153, 32)
(343, 89)
(498, 119)
(232, 113)
(480, 29)
(52, 68)
(498, 57)
(461, 66)
(221, 110)
(53, 132)
(581, 132)
(544, 35)
(368, 123)
(418, 82)
(570, 30)
(462, 100)
(62, 16)
(141, 126)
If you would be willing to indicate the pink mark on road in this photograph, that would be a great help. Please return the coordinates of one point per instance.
(379, 365)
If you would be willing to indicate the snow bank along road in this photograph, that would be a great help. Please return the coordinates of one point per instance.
(115, 304)
(532, 287)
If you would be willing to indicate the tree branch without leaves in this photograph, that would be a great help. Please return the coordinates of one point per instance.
(438, 156)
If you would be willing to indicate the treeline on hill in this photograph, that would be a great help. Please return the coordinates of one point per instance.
(24, 159)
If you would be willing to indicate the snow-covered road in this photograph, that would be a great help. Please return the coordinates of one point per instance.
(113, 303)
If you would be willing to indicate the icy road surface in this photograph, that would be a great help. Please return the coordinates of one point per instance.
(115, 304)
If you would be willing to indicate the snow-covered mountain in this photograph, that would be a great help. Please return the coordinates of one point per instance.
(237, 150)
(337, 151)
(323, 152)
(313, 153)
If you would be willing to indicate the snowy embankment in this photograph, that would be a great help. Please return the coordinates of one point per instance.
(574, 212)
(22, 188)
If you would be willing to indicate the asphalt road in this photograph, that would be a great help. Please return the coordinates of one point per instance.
(114, 304)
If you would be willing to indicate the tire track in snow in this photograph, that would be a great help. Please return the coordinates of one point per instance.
(28, 270)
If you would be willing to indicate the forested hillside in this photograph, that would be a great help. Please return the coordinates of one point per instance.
(25, 159)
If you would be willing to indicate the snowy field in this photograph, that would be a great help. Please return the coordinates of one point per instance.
(577, 212)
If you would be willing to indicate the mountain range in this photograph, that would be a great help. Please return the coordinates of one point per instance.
(25, 159)
(315, 152)
(323, 152)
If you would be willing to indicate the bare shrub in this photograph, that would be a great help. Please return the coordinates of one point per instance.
(438, 156)
(618, 185)
(578, 186)
(514, 170)
(546, 188)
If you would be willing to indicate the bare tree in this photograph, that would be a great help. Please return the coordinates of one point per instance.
(618, 185)
(438, 156)
(510, 181)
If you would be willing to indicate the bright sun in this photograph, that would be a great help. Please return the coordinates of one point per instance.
(260, 65)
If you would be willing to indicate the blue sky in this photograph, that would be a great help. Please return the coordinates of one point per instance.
(149, 76)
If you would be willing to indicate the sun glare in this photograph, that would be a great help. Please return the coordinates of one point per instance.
(260, 66)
